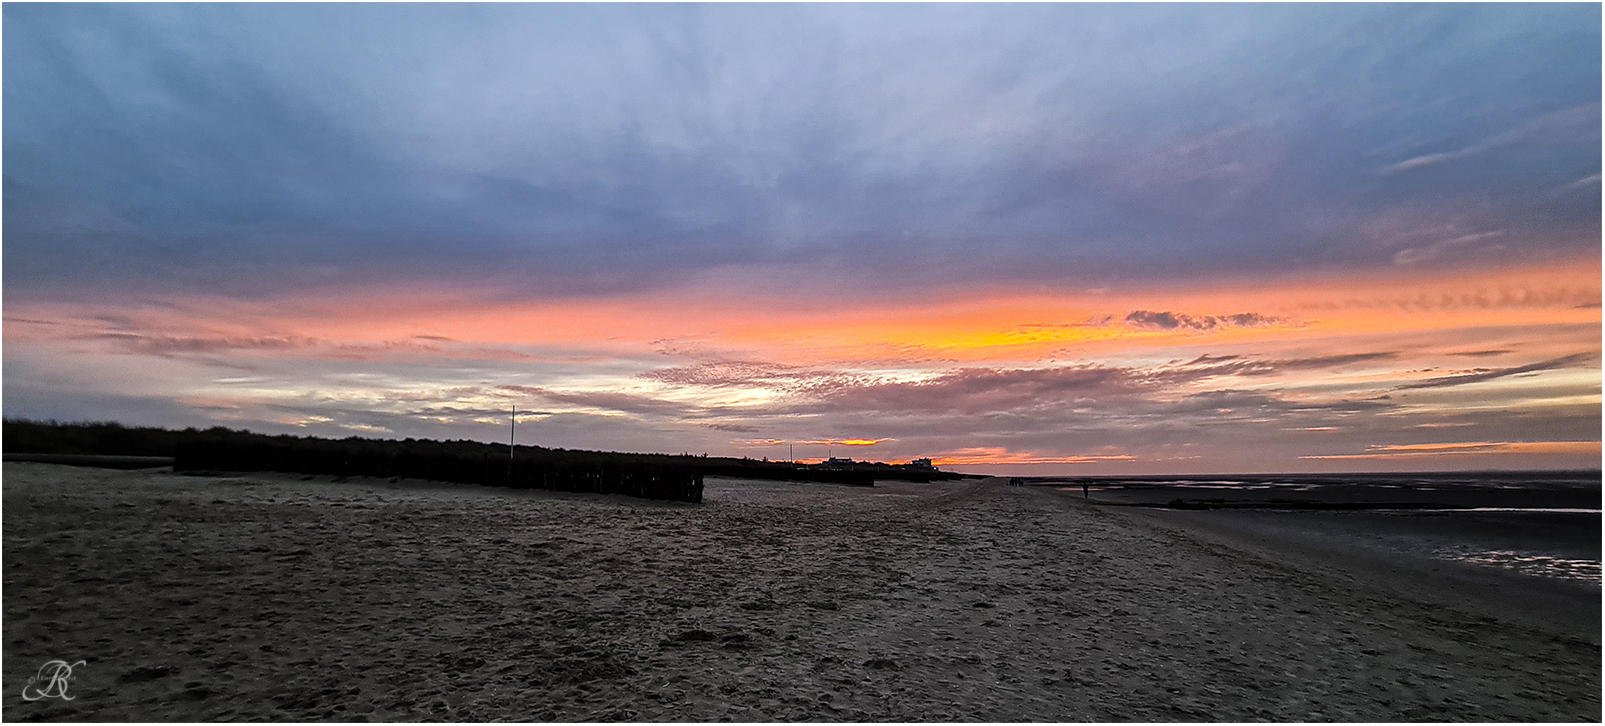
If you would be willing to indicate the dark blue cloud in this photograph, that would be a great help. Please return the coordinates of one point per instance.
(242, 148)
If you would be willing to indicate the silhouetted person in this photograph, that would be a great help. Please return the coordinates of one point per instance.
(1084, 494)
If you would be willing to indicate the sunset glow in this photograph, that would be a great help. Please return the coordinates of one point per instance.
(1066, 284)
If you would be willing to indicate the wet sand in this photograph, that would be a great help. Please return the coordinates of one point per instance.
(1509, 489)
(272, 597)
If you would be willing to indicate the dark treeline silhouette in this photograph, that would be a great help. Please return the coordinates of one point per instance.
(105, 438)
(659, 476)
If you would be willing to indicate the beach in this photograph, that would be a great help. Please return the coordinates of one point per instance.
(283, 597)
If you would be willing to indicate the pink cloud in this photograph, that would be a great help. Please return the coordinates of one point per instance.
(1000, 455)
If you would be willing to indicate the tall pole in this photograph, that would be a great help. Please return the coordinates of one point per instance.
(512, 434)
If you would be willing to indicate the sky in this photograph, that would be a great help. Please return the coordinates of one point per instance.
(1034, 239)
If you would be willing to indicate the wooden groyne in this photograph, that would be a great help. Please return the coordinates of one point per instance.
(386, 459)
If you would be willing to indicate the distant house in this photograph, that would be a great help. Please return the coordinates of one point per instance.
(921, 464)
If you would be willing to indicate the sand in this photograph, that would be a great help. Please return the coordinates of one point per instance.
(267, 596)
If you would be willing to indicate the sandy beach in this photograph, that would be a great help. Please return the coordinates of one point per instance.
(279, 597)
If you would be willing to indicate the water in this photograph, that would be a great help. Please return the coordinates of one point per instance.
(1489, 491)
(1542, 525)
(1535, 564)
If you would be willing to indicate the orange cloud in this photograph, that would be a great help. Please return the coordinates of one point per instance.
(1001, 455)
(819, 442)
(740, 348)
(744, 319)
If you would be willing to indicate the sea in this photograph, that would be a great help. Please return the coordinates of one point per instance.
(1543, 525)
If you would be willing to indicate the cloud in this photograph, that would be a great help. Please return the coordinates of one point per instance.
(1567, 361)
(997, 390)
(258, 150)
(1592, 180)
(192, 340)
(811, 442)
(1570, 122)
(1000, 455)
(1420, 161)
(168, 345)
(1226, 404)
(732, 428)
(1469, 448)
(1148, 320)
(727, 374)
(308, 161)
(1205, 366)
(978, 390)
(756, 374)
(1097, 321)
(1332, 361)
(605, 400)
(1414, 255)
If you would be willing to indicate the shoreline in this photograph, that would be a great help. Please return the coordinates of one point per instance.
(1366, 553)
(287, 598)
